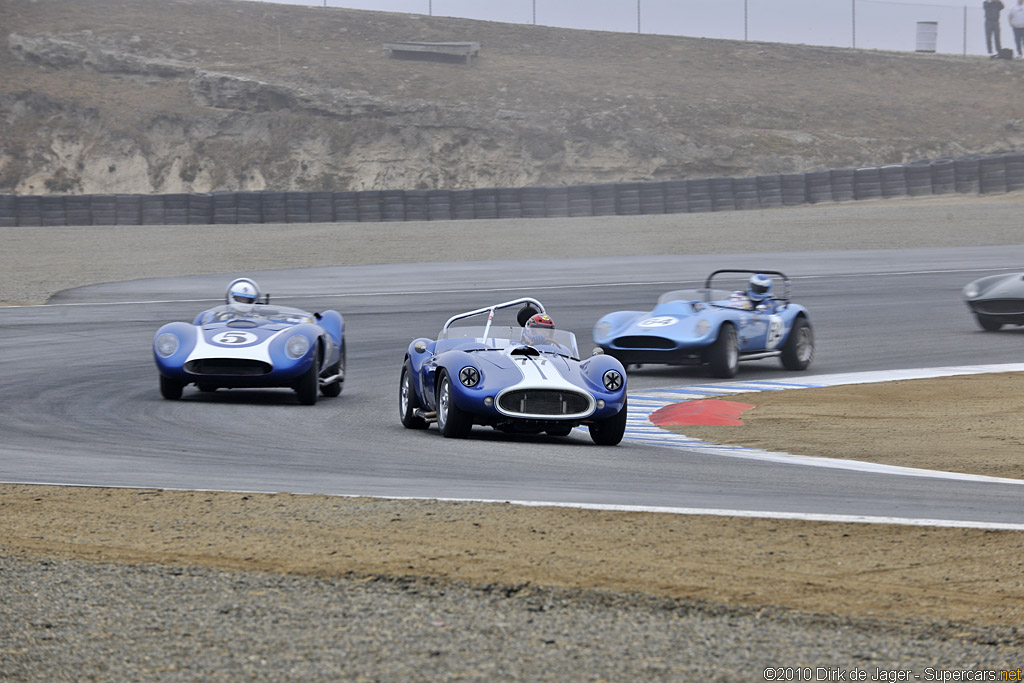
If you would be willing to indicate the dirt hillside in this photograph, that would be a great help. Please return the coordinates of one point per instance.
(135, 96)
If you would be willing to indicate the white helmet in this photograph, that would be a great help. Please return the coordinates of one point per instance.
(759, 287)
(242, 294)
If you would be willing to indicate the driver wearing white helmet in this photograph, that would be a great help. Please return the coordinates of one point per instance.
(243, 294)
(758, 295)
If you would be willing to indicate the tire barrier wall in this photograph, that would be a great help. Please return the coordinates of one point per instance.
(969, 175)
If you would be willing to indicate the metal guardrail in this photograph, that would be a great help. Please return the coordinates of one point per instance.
(973, 174)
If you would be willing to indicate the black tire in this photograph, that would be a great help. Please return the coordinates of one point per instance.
(609, 432)
(334, 388)
(798, 351)
(408, 402)
(452, 421)
(724, 355)
(308, 386)
(988, 324)
(561, 430)
(170, 388)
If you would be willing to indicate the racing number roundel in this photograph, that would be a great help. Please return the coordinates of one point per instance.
(658, 321)
(234, 338)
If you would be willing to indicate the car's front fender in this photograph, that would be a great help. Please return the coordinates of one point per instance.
(173, 365)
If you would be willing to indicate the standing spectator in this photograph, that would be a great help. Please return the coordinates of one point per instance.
(992, 9)
(1016, 18)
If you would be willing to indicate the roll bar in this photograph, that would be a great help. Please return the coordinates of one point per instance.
(785, 280)
(490, 311)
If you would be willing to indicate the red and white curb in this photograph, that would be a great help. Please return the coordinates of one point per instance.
(640, 429)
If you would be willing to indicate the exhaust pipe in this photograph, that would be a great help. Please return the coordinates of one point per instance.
(324, 381)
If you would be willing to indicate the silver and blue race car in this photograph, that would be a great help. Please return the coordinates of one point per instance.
(247, 343)
(996, 300)
(714, 327)
(524, 377)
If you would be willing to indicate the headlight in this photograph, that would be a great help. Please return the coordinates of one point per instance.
(167, 344)
(612, 380)
(469, 376)
(297, 346)
(971, 291)
(702, 328)
(602, 329)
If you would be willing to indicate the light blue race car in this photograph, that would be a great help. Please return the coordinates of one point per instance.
(523, 377)
(715, 327)
(247, 343)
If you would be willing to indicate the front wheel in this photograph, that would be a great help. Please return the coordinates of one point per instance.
(170, 388)
(453, 422)
(608, 432)
(309, 385)
(724, 354)
(408, 402)
(798, 351)
(988, 324)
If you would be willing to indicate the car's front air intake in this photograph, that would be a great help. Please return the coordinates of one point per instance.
(644, 342)
(554, 402)
(238, 367)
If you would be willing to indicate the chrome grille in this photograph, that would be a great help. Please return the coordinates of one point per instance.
(543, 402)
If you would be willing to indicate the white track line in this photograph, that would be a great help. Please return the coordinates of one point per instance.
(756, 514)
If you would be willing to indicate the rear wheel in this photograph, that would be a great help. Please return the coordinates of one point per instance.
(724, 354)
(453, 422)
(798, 351)
(170, 388)
(308, 386)
(408, 402)
(609, 432)
(989, 324)
(334, 388)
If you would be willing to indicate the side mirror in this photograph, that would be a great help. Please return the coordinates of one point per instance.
(598, 351)
(420, 346)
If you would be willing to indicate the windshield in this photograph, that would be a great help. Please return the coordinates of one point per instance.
(504, 336)
(277, 314)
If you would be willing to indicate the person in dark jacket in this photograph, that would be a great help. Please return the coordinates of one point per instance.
(992, 9)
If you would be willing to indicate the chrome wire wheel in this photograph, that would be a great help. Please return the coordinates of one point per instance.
(798, 351)
(403, 395)
(805, 345)
(444, 398)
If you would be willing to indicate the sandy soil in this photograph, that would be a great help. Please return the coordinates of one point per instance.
(880, 571)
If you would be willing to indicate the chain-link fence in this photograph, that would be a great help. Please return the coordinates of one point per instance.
(864, 24)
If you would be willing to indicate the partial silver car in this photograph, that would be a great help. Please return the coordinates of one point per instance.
(997, 300)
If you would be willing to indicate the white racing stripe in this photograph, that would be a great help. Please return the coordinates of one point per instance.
(540, 372)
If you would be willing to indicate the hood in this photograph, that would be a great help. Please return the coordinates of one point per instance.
(250, 340)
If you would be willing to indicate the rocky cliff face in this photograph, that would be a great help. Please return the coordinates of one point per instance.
(129, 96)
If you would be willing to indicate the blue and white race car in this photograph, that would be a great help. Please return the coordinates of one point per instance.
(524, 377)
(718, 328)
(247, 343)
